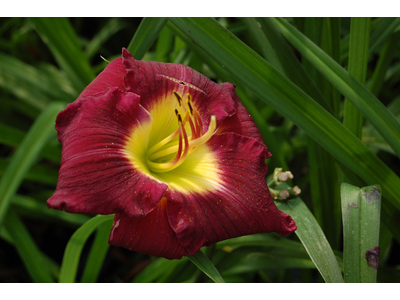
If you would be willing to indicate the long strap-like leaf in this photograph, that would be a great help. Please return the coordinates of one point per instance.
(145, 36)
(364, 100)
(280, 93)
(26, 155)
(72, 253)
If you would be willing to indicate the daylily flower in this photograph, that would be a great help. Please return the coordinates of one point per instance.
(174, 155)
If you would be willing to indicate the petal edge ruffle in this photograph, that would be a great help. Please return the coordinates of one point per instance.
(95, 175)
(241, 205)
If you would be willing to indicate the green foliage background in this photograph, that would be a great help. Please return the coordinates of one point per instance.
(323, 91)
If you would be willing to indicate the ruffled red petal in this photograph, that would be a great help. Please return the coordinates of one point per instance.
(241, 122)
(241, 205)
(155, 81)
(95, 175)
(112, 76)
(150, 235)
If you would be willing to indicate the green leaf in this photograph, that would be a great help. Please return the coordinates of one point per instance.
(313, 239)
(265, 261)
(382, 32)
(260, 239)
(157, 269)
(357, 67)
(45, 82)
(273, 88)
(61, 38)
(73, 251)
(385, 58)
(323, 170)
(165, 44)
(203, 263)
(289, 62)
(330, 44)
(361, 210)
(268, 49)
(37, 173)
(21, 80)
(370, 213)
(108, 30)
(365, 102)
(145, 36)
(34, 209)
(351, 232)
(325, 184)
(12, 136)
(30, 254)
(97, 253)
(26, 155)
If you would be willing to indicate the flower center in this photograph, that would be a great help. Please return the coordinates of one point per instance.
(171, 152)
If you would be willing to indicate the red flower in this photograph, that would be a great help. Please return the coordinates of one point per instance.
(175, 156)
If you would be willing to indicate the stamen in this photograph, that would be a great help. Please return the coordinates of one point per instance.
(189, 104)
(178, 98)
(184, 145)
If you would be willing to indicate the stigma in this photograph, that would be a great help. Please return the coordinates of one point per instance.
(171, 151)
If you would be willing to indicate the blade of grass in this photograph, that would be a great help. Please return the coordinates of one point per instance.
(165, 45)
(13, 137)
(351, 232)
(370, 213)
(290, 64)
(268, 48)
(157, 268)
(264, 261)
(38, 173)
(366, 103)
(54, 268)
(313, 239)
(145, 36)
(27, 249)
(330, 44)
(69, 266)
(357, 67)
(312, 30)
(378, 25)
(385, 57)
(35, 79)
(108, 30)
(382, 32)
(281, 94)
(261, 239)
(361, 219)
(324, 183)
(323, 174)
(26, 155)
(97, 253)
(61, 38)
(324, 177)
(204, 264)
(32, 208)
(16, 80)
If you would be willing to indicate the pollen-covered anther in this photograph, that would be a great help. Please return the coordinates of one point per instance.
(157, 156)
(178, 97)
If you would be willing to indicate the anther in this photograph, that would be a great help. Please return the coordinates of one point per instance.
(178, 98)
(190, 107)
